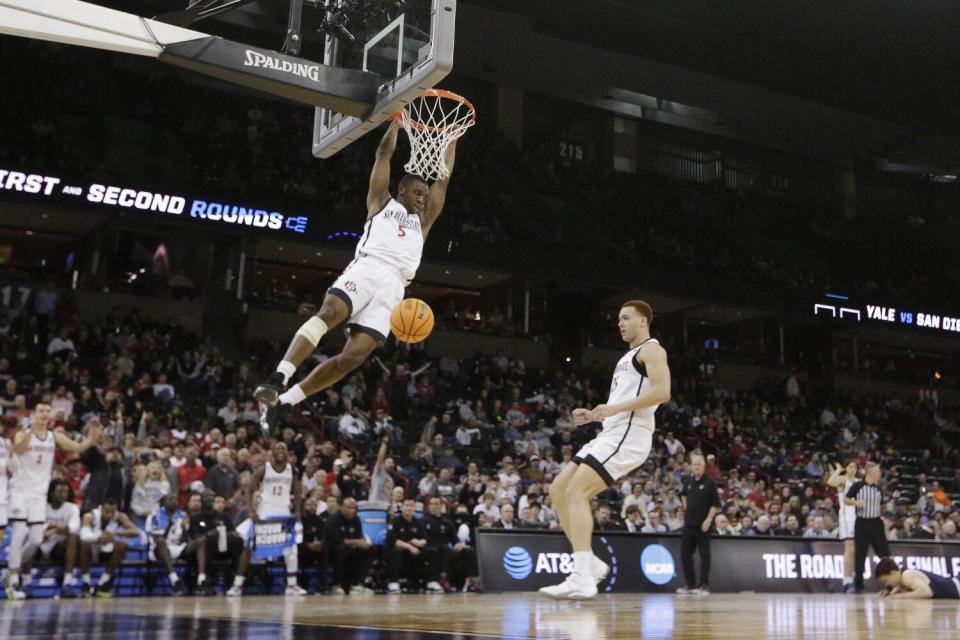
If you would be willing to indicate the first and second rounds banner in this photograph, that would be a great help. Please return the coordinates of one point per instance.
(527, 560)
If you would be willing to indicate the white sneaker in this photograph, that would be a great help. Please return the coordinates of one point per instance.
(599, 569)
(235, 591)
(338, 591)
(361, 589)
(700, 591)
(573, 588)
(393, 587)
(683, 591)
(434, 587)
(294, 590)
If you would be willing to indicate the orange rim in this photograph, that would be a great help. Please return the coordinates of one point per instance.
(440, 93)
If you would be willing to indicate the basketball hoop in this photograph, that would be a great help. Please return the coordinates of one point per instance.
(432, 121)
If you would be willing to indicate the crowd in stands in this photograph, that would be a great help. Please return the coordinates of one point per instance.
(526, 201)
(464, 443)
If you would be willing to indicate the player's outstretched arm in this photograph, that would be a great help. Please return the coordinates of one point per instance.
(379, 191)
(913, 587)
(71, 446)
(21, 442)
(438, 190)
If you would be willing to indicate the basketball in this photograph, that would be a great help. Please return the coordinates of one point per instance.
(411, 321)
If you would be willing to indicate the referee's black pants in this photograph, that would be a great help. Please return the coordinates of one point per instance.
(868, 532)
(695, 539)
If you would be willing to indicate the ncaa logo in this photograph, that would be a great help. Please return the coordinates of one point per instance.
(657, 565)
(517, 563)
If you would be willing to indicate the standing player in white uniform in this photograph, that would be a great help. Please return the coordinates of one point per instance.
(277, 486)
(842, 479)
(32, 459)
(641, 382)
(4, 489)
(386, 261)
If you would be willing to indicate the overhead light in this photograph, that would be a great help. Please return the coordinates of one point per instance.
(568, 359)
(29, 232)
(446, 271)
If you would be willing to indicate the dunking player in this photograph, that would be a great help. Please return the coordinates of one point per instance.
(641, 382)
(32, 464)
(367, 291)
(913, 583)
(842, 479)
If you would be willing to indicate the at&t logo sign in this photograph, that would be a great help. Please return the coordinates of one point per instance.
(657, 564)
(517, 563)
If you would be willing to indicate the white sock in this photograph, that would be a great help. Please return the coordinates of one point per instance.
(847, 580)
(68, 579)
(287, 369)
(86, 579)
(201, 577)
(292, 581)
(581, 562)
(293, 395)
(14, 579)
(104, 578)
(238, 581)
(173, 577)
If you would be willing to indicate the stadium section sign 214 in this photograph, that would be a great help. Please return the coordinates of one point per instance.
(149, 202)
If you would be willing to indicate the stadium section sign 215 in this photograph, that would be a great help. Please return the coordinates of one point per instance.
(149, 202)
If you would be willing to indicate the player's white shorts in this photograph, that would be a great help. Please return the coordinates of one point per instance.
(176, 550)
(46, 547)
(371, 288)
(617, 451)
(32, 509)
(848, 519)
(3, 515)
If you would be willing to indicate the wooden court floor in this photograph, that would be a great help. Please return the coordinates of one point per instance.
(369, 617)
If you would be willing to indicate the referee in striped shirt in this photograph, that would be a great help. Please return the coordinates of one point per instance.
(868, 531)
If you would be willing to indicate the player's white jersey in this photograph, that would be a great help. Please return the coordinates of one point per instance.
(394, 236)
(32, 469)
(275, 492)
(629, 381)
(4, 465)
(66, 514)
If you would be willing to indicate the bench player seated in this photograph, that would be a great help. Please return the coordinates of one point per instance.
(913, 583)
(386, 261)
(61, 537)
(104, 537)
(272, 489)
(167, 527)
(406, 558)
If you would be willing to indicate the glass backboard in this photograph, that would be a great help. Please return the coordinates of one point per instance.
(410, 47)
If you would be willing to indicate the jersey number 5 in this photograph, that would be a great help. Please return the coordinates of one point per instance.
(401, 231)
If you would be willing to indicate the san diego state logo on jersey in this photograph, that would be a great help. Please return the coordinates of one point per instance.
(350, 286)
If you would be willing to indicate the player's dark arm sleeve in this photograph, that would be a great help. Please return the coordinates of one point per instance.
(854, 489)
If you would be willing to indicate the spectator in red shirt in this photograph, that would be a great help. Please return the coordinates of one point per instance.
(737, 450)
(757, 497)
(712, 470)
(190, 471)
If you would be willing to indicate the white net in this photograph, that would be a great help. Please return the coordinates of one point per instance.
(432, 122)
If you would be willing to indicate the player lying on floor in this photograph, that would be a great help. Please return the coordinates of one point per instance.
(914, 583)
